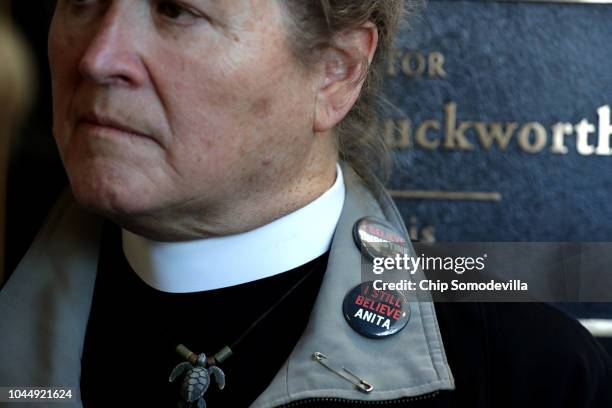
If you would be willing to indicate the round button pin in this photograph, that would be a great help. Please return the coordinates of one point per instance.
(377, 239)
(375, 313)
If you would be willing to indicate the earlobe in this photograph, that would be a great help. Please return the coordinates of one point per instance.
(342, 72)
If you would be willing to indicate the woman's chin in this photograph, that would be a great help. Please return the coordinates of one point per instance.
(111, 198)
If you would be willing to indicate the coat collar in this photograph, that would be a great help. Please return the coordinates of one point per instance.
(44, 306)
(409, 363)
(57, 276)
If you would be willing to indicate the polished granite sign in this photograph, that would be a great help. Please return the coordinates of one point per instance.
(503, 130)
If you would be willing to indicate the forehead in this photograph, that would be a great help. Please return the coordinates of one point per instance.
(238, 9)
(254, 8)
(244, 14)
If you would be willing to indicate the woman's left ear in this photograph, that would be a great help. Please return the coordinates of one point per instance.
(342, 73)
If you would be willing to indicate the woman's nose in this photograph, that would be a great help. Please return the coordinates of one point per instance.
(113, 55)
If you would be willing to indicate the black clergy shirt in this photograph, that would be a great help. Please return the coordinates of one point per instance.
(133, 329)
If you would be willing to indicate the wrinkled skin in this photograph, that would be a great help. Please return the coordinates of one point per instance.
(180, 120)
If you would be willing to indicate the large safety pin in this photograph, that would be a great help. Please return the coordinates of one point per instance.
(360, 383)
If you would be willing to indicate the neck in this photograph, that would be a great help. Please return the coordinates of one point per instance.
(282, 245)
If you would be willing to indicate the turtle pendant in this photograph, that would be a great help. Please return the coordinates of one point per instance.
(196, 381)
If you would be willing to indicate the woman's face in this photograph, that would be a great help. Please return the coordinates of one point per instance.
(187, 105)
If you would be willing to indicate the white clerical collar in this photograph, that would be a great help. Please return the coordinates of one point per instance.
(219, 262)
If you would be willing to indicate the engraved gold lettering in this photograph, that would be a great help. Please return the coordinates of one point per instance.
(421, 135)
(583, 130)
(605, 131)
(495, 133)
(417, 64)
(539, 137)
(403, 128)
(532, 137)
(413, 64)
(559, 131)
(413, 229)
(426, 233)
(454, 137)
(436, 65)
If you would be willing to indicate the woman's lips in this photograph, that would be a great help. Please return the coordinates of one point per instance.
(109, 127)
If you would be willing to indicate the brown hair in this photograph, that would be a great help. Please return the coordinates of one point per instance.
(315, 24)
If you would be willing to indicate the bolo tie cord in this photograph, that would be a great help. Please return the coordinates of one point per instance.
(227, 351)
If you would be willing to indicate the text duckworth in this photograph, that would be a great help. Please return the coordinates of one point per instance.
(450, 133)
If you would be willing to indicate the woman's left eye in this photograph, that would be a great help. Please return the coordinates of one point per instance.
(175, 11)
(78, 3)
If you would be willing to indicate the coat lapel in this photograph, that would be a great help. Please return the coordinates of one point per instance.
(45, 305)
(409, 363)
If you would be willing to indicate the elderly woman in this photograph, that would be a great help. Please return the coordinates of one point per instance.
(224, 144)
